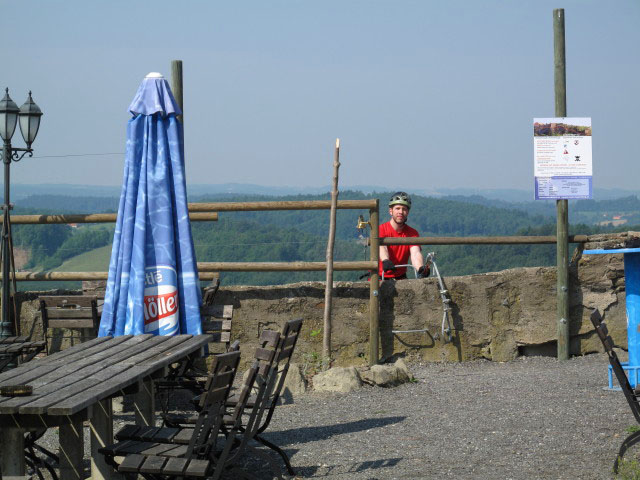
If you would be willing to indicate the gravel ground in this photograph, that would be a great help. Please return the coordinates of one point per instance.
(533, 418)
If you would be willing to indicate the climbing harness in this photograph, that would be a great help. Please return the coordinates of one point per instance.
(444, 296)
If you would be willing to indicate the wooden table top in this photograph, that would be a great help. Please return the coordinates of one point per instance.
(69, 381)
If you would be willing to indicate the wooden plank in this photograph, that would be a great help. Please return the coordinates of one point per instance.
(197, 468)
(84, 349)
(153, 464)
(217, 311)
(83, 399)
(68, 301)
(216, 325)
(71, 439)
(179, 351)
(146, 367)
(264, 354)
(131, 463)
(165, 434)
(127, 432)
(71, 323)
(183, 437)
(59, 384)
(175, 466)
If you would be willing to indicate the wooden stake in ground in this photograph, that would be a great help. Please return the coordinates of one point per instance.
(326, 340)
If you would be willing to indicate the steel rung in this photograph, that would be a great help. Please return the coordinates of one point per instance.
(409, 331)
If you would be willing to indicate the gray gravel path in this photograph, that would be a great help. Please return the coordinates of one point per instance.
(533, 418)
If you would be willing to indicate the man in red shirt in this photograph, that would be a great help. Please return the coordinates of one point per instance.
(393, 255)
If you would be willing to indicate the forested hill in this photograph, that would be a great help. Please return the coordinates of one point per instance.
(302, 235)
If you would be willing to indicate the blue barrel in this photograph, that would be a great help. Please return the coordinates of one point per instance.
(632, 289)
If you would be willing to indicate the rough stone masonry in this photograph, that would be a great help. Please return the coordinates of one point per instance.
(497, 316)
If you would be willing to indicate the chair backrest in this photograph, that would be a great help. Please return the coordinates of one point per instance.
(71, 312)
(257, 381)
(212, 404)
(278, 374)
(216, 321)
(632, 396)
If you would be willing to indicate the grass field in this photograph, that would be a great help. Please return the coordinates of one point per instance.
(93, 261)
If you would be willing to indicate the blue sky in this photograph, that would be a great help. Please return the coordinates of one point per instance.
(423, 94)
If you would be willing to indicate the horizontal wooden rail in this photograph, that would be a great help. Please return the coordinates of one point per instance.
(282, 266)
(92, 218)
(516, 240)
(77, 276)
(296, 205)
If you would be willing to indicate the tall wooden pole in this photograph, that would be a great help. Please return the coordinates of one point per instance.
(562, 207)
(374, 286)
(326, 340)
(176, 85)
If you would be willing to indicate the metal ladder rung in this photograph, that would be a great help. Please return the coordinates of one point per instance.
(410, 331)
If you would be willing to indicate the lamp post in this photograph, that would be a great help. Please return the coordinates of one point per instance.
(29, 119)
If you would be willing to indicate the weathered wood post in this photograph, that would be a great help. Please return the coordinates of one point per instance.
(176, 85)
(326, 339)
(374, 286)
(562, 207)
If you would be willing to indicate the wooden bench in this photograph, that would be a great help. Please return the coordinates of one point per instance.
(198, 455)
(72, 312)
(632, 395)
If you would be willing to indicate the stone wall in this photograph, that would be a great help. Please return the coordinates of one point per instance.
(496, 316)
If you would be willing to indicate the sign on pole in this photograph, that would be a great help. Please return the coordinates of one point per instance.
(562, 158)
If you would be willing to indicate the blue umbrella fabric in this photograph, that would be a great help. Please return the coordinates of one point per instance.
(153, 282)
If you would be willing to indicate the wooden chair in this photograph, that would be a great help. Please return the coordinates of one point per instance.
(188, 375)
(258, 382)
(71, 312)
(259, 407)
(197, 455)
(632, 395)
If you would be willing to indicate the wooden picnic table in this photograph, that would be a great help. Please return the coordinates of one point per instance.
(77, 385)
(13, 348)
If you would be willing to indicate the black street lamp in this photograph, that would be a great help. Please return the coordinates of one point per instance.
(29, 118)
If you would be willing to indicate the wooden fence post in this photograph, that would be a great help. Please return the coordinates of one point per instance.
(326, 339)
(374, 287)
(562, 207)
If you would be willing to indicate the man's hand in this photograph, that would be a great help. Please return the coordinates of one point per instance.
(423, 272)
(388, 265)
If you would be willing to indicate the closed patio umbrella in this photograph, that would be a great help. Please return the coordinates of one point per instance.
(153, 282)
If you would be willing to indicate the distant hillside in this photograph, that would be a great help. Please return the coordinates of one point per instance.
(301, 235)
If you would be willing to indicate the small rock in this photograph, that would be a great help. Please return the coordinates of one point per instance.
(387, 375)
(294, 384)
(337, 379)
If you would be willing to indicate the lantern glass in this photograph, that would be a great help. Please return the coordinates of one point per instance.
(8, 116)
(30, 115)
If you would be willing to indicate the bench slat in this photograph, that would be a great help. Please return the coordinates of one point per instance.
(131, 463)
(216, 325)
(153, 464)
(175, 466)
(197, 468)
(63, 301)
(217, 311)
(72, 323)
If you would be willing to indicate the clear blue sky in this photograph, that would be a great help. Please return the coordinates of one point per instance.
(423, 94)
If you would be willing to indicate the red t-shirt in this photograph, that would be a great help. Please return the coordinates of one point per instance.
(398, 254)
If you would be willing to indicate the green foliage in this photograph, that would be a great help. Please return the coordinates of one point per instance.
(628, 469)
(284, 236)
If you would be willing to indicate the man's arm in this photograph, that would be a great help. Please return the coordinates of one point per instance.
(416, 257)
(384, 253)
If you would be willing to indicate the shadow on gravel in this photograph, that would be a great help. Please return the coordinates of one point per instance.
(345, 470)
(310, 434)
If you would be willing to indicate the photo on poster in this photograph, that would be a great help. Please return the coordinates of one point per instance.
(562, 158)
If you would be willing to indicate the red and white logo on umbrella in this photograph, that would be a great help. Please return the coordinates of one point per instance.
(160, 300)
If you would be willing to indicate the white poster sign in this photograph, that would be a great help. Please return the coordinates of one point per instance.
(562, 158)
